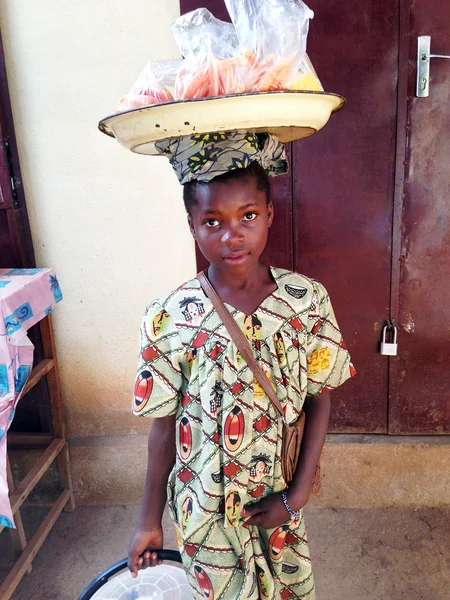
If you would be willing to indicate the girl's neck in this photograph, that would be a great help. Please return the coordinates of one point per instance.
(240, 280)
(244, 290)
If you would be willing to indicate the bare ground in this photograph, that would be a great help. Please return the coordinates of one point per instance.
(383, 554)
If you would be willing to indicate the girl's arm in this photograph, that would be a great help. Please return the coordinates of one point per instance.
(148, 534)
(317, 414)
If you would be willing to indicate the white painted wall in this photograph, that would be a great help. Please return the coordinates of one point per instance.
(110, 222)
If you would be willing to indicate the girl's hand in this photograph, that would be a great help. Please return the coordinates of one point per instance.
(140, 555)
(268, 513)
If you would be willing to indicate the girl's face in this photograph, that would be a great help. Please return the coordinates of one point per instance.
(231, 222)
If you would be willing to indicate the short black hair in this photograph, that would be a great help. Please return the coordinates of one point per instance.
(253, 171)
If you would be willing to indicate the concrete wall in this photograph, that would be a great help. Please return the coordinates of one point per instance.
(110, 222)
(360, 471)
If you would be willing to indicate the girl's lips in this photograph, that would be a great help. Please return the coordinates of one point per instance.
(235, 259)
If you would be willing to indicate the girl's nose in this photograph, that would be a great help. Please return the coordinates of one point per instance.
(232, 235)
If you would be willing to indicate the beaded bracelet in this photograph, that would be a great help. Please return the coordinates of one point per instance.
(295, 514)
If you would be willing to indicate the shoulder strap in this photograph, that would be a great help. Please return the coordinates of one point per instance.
(239, 339)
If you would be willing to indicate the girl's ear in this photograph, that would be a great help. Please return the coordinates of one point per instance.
(270, 213)
(191, 226)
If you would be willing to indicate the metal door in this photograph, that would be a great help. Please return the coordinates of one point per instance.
(419, 400)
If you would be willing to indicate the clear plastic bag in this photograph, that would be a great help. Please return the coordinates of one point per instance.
(156, 84)
(272, 27)
(212, 78)
(273, 35)
(306, 78)
(198, 34)
(264, 49)
(208, 46)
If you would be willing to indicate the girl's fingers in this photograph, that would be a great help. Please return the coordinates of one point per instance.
(256, 519)
(146, 560)
(154, 559)
(248, 510)
(133, 562)
(251, 509)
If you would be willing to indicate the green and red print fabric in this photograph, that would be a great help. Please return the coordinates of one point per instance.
(228, 435)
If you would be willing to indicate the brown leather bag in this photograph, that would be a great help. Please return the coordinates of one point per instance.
(292, 434)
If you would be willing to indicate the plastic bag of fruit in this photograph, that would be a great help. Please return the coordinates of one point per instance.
(273, 36)
(263, 50)
(156, 84)
(208, 45)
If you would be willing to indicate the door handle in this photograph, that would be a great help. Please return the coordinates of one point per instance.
(423, 65)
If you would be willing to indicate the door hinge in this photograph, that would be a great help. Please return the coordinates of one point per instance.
(13, 181)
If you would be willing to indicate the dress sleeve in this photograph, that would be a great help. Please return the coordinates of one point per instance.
(328, 359)
(159, 376)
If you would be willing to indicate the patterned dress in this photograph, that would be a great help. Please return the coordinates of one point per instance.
(228, 436)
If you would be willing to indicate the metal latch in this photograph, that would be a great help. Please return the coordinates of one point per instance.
(423, 65)
(388, 345)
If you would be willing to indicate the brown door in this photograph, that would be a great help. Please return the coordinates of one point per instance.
(419, 399)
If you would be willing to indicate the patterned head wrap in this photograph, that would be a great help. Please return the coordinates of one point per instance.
(202, 157)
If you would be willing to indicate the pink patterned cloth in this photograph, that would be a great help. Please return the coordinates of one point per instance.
(26, 297)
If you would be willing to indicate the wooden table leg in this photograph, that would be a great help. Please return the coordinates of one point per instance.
(18, 539)
(54, 388)
(65, 475)
(13, 578)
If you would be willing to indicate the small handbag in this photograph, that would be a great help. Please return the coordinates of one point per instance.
(292, 434)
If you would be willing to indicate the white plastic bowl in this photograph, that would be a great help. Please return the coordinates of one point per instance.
(163, 582)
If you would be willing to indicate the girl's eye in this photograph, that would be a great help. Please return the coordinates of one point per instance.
(251, 216)
(211, 222)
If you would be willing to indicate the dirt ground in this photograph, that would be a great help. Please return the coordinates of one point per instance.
(389, 554)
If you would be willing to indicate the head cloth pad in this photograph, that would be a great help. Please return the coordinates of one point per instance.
(202, 157)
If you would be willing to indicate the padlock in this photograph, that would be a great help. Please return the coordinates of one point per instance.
(389, 348)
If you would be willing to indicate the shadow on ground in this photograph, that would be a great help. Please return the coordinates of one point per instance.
(389, 554)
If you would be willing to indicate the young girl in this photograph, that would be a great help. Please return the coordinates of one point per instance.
(216, 439)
